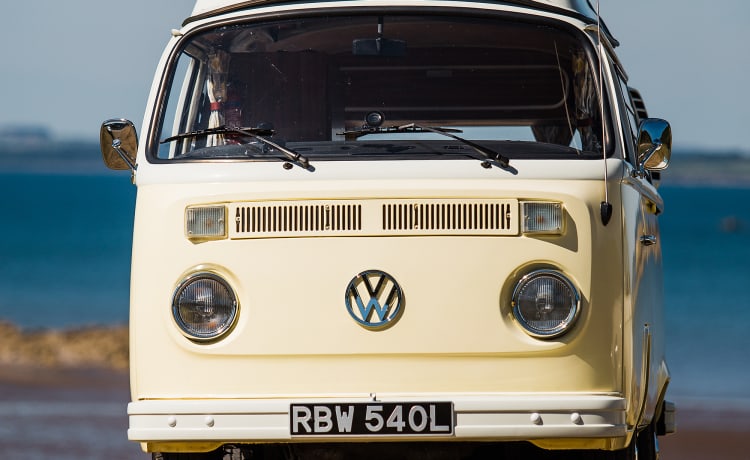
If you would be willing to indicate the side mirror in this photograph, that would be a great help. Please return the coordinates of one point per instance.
(654, 145)
(119, 143)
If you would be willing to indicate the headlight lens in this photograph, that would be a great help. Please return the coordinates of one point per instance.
(542, 217)
(204, 223)
(204, 306)
(545, 303)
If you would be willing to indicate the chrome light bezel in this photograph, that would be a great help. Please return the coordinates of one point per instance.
(565, 324)
(185, 327)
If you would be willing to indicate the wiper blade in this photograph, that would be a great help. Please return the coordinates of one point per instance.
(486, 154)
(218, 130)
(256, 133)
(410, 128)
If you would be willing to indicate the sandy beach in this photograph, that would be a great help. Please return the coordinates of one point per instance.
(63, 395)
(64, 414)
(708, 433)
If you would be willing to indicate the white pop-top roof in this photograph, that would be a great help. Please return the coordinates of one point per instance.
(579, 7)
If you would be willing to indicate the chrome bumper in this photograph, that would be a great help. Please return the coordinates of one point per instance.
(477, 417)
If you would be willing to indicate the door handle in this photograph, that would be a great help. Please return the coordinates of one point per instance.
(648, 240)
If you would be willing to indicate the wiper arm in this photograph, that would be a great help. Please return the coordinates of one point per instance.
(255, 133)
(293, 157)
(486, 154)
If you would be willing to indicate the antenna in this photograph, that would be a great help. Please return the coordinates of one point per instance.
(605, 207)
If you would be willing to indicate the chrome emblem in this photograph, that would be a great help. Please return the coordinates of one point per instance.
(374, 299)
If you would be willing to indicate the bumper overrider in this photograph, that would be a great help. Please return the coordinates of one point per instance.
(379, 417)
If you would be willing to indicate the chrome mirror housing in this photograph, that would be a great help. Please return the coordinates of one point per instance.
(654, 145)
(119, 143)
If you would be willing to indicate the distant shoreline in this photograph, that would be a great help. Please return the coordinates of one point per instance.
(97, 347)
(689, 167)
(66, 157)
(708, 169)
(102, 350)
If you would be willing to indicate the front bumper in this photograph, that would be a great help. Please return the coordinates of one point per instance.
(554, 418)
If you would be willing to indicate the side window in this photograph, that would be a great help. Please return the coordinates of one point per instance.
(630, 124)
(184, 110)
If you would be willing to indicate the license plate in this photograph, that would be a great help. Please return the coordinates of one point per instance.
(372, 419)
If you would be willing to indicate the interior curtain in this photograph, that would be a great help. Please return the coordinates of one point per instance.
(218, 65)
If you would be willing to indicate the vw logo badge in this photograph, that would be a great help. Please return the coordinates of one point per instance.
(374, 299)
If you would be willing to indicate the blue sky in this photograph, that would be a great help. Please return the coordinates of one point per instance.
(70, 65)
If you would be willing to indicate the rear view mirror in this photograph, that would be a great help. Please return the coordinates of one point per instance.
(119, 143)
(379, 47)
(654, 145)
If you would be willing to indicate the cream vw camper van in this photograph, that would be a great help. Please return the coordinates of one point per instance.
(402, 229)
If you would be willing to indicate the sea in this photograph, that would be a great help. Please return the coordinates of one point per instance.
(65, 248)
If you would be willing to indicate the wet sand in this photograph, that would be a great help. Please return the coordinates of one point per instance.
(694, 444)
(74, 413)
(707, 432)
(64, 414)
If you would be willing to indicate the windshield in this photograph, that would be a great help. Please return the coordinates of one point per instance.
(343, 88)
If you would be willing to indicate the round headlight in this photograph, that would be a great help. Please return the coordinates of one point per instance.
(204, 306)
(546, 303)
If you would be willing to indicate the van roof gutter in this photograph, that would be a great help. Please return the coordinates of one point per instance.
(579, 9)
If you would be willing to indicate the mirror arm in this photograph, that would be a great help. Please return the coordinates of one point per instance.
(641, 171)
(116, 143)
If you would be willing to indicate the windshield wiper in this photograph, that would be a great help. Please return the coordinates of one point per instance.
(485, 154)
(256, 133)
(219, 130)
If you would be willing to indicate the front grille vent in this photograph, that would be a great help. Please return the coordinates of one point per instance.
(447, 216)
(374, 217)
(267, 219)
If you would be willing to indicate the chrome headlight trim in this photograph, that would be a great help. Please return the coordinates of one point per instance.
(559, 290)
(204, 306)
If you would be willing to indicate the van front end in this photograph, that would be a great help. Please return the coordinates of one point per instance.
(497, 302)
(423, 228)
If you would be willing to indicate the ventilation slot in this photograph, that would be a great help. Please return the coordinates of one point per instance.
(447, 216)
(638, 103)
(298, 219)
